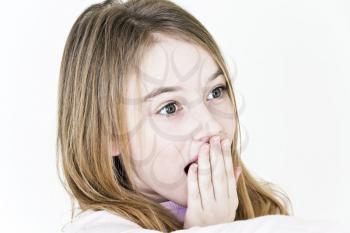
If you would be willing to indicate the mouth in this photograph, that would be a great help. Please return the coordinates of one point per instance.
(187, 167)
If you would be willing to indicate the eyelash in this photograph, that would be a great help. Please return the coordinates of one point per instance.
(223, 90)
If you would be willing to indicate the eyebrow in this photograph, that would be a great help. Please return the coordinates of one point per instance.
(162, 90)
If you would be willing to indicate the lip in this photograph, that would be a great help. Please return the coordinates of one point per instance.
(194, 160)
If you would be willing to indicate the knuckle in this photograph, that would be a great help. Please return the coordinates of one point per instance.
(227, 151)
(208, 185)
(221, 178)
(195, 196)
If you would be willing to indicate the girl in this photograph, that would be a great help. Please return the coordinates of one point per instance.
(148, 125)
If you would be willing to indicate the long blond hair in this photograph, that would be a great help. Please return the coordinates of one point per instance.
(104, 46)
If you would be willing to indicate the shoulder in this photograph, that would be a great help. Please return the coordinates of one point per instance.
(100, 221)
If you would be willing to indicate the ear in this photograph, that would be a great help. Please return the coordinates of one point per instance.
(115, 150)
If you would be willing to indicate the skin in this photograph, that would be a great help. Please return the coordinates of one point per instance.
(212, 195)
(201, 112)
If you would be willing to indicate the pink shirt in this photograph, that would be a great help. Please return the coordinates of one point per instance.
(178, 210)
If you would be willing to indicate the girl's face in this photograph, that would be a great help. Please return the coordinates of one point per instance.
(184, 103)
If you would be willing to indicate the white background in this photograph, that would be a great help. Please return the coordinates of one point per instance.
(292, 61)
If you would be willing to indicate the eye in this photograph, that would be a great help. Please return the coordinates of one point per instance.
(219, 91)
(170, 109)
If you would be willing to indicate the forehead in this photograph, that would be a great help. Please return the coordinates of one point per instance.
(174, 62)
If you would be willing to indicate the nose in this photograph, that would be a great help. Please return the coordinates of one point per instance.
(207, 124)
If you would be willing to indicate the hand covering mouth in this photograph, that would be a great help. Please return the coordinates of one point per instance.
(187, 167)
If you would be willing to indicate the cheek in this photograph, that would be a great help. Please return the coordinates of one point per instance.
(164, 127)
(167, 165)
(223, 108)
(224, 112)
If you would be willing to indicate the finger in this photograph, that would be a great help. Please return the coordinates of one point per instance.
(193, 195)
(226, 147)
(218, 169)
(204, 176)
